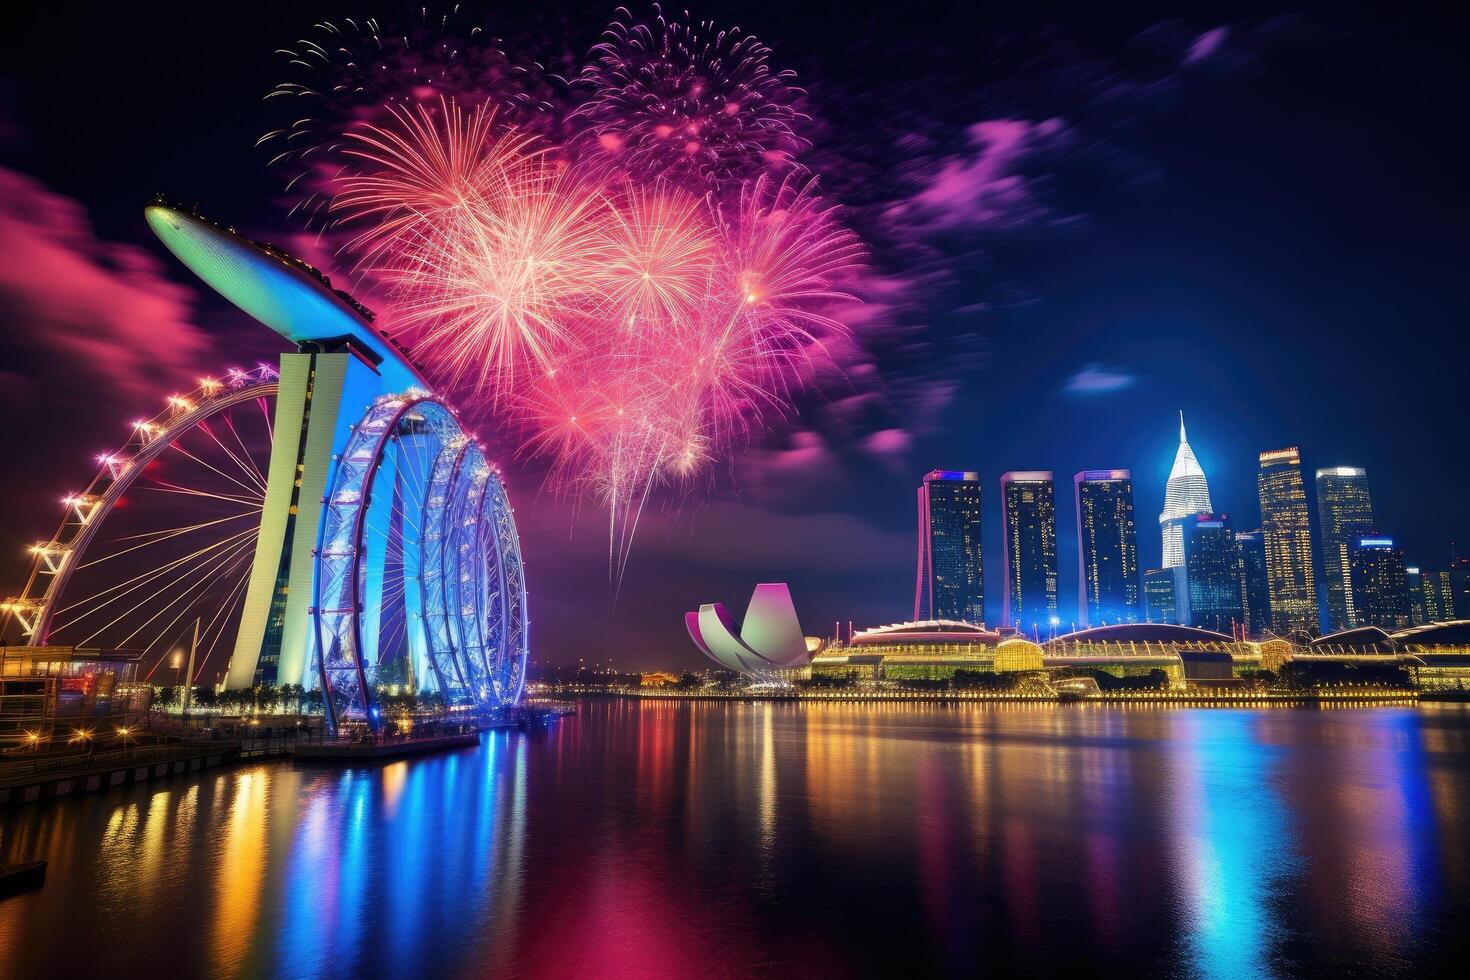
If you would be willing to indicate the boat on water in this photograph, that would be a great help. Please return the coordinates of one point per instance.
(16, 878)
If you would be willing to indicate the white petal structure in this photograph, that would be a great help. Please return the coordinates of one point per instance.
(770, 638)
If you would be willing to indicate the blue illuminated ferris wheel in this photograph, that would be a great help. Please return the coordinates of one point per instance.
(331, 524)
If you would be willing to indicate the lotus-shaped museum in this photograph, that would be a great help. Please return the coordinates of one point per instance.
(770, 639)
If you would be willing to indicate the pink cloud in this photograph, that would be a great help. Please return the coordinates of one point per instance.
(983, 187)
(87, 310)
(888, 442)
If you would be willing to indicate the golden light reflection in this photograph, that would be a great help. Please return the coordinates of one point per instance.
(242, 871)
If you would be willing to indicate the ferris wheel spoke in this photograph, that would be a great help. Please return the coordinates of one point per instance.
(270, 424)
(254, 500)
(202, 581)
(155, 537)
(250, 464)
(231, 568)
(145, 578)
(176, 447)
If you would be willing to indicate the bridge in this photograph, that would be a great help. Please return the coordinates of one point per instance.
(328, 522)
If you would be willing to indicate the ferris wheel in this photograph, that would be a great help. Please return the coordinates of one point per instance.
(163, 533)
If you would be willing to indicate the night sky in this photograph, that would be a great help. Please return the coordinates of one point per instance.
(1081, 221)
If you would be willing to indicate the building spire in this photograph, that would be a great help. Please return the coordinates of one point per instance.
(1182, 440)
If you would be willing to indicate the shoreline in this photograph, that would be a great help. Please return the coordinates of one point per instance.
(1367, 699)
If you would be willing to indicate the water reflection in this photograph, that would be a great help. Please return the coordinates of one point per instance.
(677, 838)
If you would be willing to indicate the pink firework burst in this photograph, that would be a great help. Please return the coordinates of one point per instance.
(637, 303)
(668, 97)
(487, 245)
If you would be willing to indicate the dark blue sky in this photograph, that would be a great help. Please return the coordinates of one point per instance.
(1256, 215)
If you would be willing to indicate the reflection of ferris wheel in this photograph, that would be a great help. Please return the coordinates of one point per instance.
(164, 533)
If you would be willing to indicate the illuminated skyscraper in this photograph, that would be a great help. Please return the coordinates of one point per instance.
(951, 577)
(1107, 547)
(1185, 494)
(1286, 524)
(1030, 549)
(1255, 591)
(1439, 597)
(1459, 579)
(1212, 573)
(1418, 607)
(1344, 512)
(1158, 596)
(1380, 585)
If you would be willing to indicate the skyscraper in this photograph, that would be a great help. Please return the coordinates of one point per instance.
(1158, 596)
(1459, 579)
(1030, 548)
(1185, 494)
(1255, 590)
(1212, 573)
(1107, 547)
(951, 577)
(1418, 606)
(1380, 585)
(1287, 527)
(1344, 512)
(1439, 598)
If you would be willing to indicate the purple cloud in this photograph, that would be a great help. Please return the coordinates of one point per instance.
(1206, 45)
(984, 187)
(1098, 379)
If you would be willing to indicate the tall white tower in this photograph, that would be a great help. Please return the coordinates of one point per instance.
(1186, 493)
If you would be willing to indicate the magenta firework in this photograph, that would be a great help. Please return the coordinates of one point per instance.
(632, 271)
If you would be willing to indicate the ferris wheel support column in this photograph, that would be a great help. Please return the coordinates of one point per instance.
(320, 395)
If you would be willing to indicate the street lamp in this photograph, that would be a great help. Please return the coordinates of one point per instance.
(83, 736)
(123, 732)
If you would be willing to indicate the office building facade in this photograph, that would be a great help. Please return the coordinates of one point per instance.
(1286, 524)
(1255, 590)
(1212, 573)
(1107, 548)
(951, 573)
(1344, 512)
(1379, 582)
(1158, 596)
(1029, 502)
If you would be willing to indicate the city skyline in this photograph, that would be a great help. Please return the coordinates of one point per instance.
(1338, 500)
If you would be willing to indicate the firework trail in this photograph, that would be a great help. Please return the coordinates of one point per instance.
(638, 299)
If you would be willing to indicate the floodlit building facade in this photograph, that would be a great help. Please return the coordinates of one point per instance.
(1344, 512)
(1186, 494)
(1107, 547)
(1030, 549)
(951, 573)
(1286, 523)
